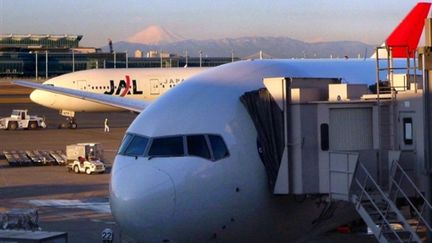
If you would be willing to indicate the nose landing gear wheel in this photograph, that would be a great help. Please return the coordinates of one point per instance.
(70, 123)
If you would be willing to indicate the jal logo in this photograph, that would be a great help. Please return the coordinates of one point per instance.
(124, 87)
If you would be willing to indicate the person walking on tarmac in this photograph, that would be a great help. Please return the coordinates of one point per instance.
(106, 129)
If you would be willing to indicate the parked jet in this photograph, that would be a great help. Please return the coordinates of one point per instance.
(142, 84)
(189, 170)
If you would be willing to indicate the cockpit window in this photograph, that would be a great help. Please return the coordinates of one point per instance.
(167, 146)
(211, 147)
(218, 147)
(197, 146)
(125, 143)
(136, 147)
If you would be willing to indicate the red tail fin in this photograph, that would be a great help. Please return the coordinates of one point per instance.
(408, 32)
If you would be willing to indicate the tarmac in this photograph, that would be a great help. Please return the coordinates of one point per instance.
(63, 199)
(74, 203)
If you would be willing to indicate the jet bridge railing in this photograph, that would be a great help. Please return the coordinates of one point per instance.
(378, 211)
(400, 185)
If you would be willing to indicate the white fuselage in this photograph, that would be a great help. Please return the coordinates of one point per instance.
(185, 198)
(145, 84)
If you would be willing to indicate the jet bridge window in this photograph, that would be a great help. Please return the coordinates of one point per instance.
(133, 145)
(218, 147)
(197, 146)
(408, 130)
(324, 128)
(167, 146)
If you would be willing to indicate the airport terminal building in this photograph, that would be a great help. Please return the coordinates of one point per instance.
(45, 56)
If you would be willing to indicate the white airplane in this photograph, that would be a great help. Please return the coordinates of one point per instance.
(144, 84)
(189, 170)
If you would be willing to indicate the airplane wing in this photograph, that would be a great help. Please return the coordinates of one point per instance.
(120, 102)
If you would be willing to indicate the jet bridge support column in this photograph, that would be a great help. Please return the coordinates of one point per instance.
(425, 63)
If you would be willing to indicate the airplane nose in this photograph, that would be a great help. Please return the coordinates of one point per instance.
(42, 97)
(35, 96)
(142, 198)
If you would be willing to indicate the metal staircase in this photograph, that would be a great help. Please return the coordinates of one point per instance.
(378, 208)
(381, 208)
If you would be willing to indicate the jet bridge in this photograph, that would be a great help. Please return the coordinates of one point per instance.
(319, 136)
(299, 122)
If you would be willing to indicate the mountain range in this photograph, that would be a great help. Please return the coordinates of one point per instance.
(158, 39)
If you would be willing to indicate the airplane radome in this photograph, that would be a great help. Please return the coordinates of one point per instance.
(159, 194)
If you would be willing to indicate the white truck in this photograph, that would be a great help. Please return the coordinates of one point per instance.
(85, 158)
(19, 119)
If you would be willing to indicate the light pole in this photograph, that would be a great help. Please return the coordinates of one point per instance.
(115, 60)
(36, 65)
(160, 55)
(232, 55)
(73, 60)
(187, 59)
(127, 61)
(200, 58)
(46, 64)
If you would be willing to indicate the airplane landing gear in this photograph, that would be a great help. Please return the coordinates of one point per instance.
(70, 119)
(70, 123)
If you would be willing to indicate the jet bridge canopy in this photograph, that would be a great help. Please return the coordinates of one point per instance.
(271, 114)
(268, 120)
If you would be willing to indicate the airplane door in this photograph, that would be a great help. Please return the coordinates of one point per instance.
(154, 87)
(82, 85)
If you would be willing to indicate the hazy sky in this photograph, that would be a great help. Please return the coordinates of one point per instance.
(369, 21)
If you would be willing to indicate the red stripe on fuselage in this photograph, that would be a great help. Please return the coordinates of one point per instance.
(128, 86)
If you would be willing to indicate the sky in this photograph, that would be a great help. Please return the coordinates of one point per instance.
(368, 21)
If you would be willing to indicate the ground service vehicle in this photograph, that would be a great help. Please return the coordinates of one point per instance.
(20, 119)
(85, 158)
